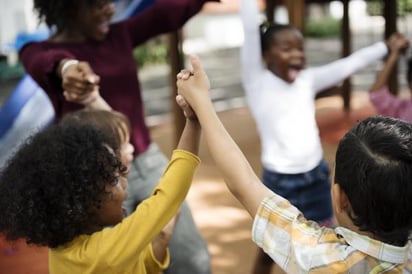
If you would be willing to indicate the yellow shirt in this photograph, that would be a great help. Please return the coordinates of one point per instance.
(126, 247)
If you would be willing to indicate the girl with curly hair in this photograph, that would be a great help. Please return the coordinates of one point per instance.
(86, 50)
(70, 198)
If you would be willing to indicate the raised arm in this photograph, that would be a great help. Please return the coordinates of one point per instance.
(397, 43)
(250, 52)
(189, 141)
(333, 73)
(236, 170)
(163, 16)
(190, 138)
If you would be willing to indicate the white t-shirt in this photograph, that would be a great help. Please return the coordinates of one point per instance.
(285, 112)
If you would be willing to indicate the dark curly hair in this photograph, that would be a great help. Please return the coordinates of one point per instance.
(374, 168)
(51, 186)
(56, 13)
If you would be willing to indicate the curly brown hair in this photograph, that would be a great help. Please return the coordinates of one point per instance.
(49, 189)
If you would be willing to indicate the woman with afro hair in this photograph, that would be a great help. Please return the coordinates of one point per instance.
(70, 198)
(87, 51)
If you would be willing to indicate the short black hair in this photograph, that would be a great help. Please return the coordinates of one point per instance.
(51, 186)
(268, 30)
(374, 168)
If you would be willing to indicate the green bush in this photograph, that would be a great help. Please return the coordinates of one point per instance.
(152, 52)
(375, 7)
(321, 28)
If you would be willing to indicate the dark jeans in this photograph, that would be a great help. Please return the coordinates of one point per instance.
(309, 191)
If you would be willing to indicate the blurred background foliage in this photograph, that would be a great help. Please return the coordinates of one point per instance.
(155, 51)
(152, 52)
(375, 7)
(322, 28)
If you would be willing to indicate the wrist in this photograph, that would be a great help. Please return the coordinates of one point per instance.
(89, 100)
(66, 65)
(394, 55)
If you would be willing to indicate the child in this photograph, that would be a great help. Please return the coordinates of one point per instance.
(65, 188)
(371, 194)
(281, 96)
(86, 50)
(385, 102)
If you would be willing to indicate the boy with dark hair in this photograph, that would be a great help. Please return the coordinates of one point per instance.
(371, 194)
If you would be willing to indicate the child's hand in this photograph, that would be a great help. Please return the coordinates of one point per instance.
(187, 110)
(397, 43)
(193, 84)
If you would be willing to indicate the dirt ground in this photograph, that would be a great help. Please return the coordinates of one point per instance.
(222, 221)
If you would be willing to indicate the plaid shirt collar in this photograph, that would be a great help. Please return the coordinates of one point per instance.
(374, 248)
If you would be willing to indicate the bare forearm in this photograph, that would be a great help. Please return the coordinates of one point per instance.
(383, 75)
(236, 170)
(239, 176)
(190, 137)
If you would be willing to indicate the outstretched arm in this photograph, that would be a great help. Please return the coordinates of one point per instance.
(189, 141)
(190, 138)
(397, 43)
(236, 170)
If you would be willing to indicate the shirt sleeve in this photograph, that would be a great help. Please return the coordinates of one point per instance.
(162, 17)
(41, 62)
(333, 73)
(250, 52)
(285, 235)
(119, 245)
(384, 102)
(153, 265)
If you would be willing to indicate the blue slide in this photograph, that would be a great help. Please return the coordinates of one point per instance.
(28, 109)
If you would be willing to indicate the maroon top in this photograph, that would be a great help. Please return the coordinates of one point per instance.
(112, 59)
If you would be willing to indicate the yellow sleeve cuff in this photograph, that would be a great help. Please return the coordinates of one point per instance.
(153, 265)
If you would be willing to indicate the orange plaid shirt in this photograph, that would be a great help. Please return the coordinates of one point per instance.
(301, 246)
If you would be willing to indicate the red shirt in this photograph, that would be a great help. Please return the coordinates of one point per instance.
(112, 59)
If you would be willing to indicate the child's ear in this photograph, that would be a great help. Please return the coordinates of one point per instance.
(341, 200)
